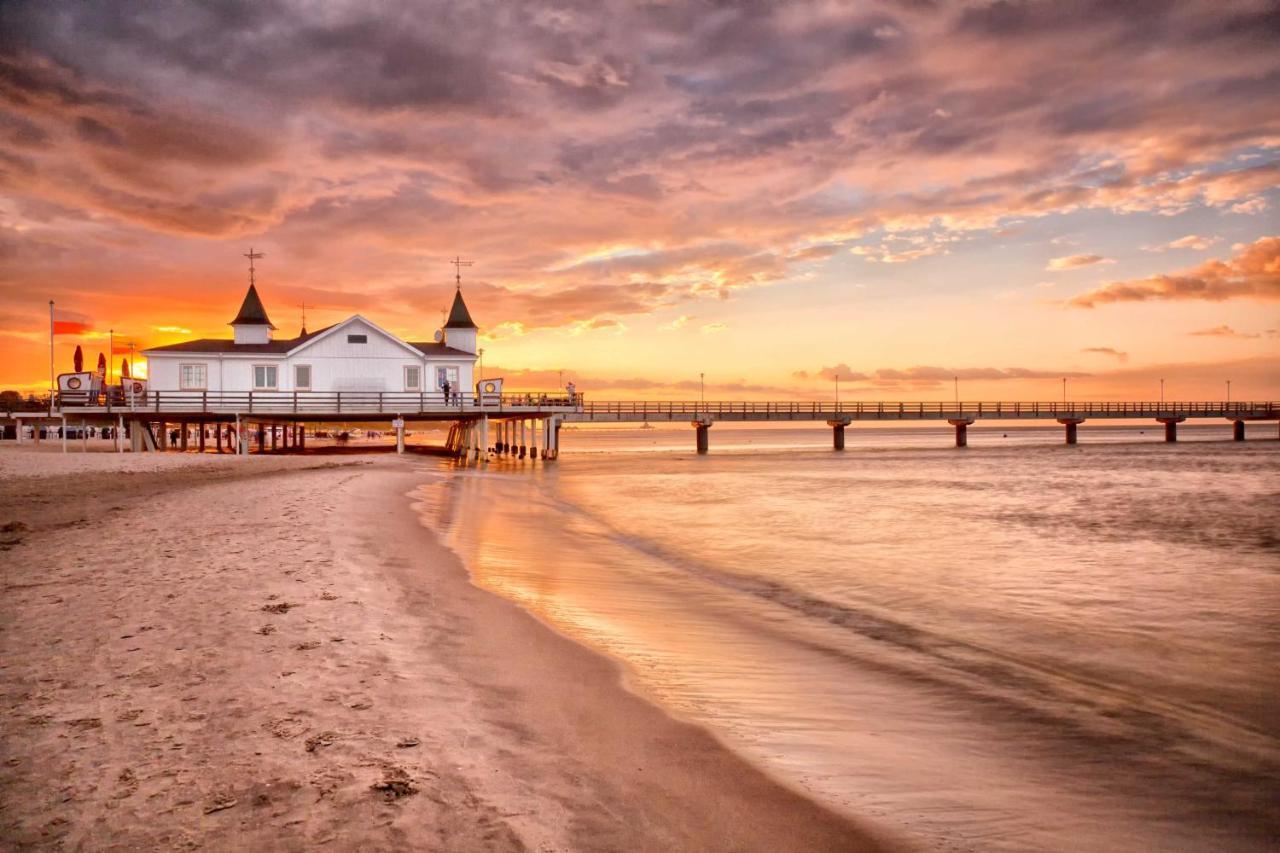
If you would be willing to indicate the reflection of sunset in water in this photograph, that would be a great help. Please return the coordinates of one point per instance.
(1009, 648)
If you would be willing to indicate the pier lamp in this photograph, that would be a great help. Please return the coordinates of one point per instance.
(480, 352)
(1064, 389)
(1162, 392)
(837, 390)
(702, 381)
(1228, 392)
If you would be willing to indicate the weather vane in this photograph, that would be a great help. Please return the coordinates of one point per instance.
(253, 256)
(458, 264)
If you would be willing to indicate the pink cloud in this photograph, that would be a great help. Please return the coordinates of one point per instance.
(1254, 273)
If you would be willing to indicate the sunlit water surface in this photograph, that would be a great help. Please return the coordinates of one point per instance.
(1018, 646)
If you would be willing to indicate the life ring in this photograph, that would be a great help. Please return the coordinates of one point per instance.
(74, 383)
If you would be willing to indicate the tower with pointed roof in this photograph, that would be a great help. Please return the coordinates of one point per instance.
(251, 325)
(460, 330)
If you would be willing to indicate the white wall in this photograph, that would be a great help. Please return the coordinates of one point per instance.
(336, 365)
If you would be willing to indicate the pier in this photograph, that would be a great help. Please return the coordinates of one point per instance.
(528, 424)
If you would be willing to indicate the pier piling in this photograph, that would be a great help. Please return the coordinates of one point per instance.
(837, 433)
(1072, 424)
(962, 431)
(1170, 428)
(703, 428)
(1237, 430)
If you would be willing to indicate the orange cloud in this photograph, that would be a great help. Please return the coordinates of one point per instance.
(1254, 273)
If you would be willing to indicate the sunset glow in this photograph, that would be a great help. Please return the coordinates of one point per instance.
(900, 194)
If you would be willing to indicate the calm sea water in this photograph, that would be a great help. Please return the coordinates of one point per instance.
(1018, 646)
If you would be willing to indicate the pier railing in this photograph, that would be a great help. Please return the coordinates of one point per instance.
(312, 402)
(576, 408)
(957, 410)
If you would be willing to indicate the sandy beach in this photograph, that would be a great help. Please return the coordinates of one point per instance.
(273, 654)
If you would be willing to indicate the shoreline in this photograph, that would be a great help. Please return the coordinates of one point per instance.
(152, 697)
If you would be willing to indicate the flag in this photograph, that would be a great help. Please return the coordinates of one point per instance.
(70, 323)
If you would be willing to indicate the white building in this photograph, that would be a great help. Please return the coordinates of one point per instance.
(354, 355)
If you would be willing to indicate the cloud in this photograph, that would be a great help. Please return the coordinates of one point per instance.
(1111, 351)
(714, 328)
(1223, 331)
(1254, 273)
(678, 323)
(922, 376)
(1191, 241)
(1071, 262)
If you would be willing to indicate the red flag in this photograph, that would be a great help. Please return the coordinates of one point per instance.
(70, 323)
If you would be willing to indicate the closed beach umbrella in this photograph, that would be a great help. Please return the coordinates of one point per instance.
(78, 359)
(124, 369)
(102, 364)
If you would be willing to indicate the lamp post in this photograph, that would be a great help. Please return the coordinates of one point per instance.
(481, 352)
(1228, 392)
(1064, 389)
(561, 377)
(956, 381)
(702, 381)
(1162, 392)
(837, 392)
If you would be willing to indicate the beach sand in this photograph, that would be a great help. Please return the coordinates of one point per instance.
(272, 653)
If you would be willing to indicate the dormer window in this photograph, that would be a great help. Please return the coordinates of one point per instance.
(357, 339)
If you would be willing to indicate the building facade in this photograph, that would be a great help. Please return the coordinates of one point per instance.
(353, 355)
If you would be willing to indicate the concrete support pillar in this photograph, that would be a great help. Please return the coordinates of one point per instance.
(1071, 424)
(484, 438)
(162, 440)
(703, 428)
(200, 438)
(962, 431)
(837, 433)
(182, 436)
(18, 427)
(217, 437)
(135, 436)
(523, 447)
(262, 438)
(274, 436)
(1237, 430)
(534, 429)
(302, 436)
(1170, 428)
(555, 439)
(119, 434)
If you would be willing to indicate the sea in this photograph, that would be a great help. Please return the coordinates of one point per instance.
(1019, 645)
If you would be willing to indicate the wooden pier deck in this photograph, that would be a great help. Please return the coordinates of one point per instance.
(542, 413)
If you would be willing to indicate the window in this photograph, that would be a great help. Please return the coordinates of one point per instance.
(264, 377)
(357, 339)
(302, 377)
(412, 377)
(447, 374)
(192, 377)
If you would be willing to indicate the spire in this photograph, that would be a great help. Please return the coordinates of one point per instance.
(459, 316)
(251, 311)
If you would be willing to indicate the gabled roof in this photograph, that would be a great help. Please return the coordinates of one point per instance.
(251, 311)
(459, 316)
(214, 346)
(218, 346)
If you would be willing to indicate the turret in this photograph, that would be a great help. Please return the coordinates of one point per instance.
(251, 325)
(459, 330)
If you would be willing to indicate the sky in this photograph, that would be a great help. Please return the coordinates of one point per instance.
(764, 196)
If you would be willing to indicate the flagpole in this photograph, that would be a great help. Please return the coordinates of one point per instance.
(111, 351)
(51, 380)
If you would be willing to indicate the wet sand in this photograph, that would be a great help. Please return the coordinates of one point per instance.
(272, 653)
